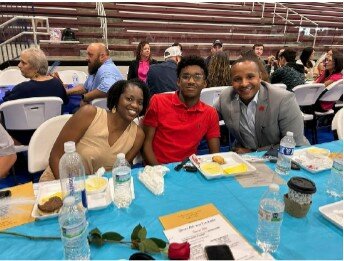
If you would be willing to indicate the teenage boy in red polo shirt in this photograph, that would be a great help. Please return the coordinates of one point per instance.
(175, 123)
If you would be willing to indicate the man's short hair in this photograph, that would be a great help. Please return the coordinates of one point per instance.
(289, 55)
(192, 60)
(256, 45)
(247, 59)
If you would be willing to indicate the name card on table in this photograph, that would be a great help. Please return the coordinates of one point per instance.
(16, 210)
(203, 226)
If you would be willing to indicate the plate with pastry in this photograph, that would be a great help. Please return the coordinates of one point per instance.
(219, 165)
(48, 203)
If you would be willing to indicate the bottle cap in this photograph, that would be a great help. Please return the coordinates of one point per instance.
(290, 133)
(274, 187)
(302, 185)
(120, 156)
(68, 201)
(69, 146)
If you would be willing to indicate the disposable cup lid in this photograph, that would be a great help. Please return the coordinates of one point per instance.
(302, 185)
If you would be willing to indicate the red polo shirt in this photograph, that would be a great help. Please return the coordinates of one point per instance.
(179, 129)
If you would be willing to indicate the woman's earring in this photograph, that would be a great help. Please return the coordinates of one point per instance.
(113, 110)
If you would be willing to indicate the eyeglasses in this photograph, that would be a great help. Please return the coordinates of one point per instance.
(196, 77)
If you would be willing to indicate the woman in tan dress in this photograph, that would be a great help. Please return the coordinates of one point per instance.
(99, 134)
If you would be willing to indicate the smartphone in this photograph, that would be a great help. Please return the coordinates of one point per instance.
(218, 252)
(53, 67)
(271, 153)
(5, 194)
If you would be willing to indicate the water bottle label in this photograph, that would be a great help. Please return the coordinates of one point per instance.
(270, 216)
(286, 151)
(78, 229)
(84, 198)
(71, 185)
(122, 178)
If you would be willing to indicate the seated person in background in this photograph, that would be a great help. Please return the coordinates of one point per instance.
(162, 77)
(257, 114)
(332, 73)
(250, 54)
(219, 70)
(99, 134)
(273, 62)
(323, 60)
(140, 66)
(307, 60)
(8, 154)
(258, 49)
(290, 73)
(34, 65)
(103, 73)
(175, 123)
(216, 47)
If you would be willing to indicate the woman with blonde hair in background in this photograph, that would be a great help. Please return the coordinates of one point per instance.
(140, 66)
(219, 70)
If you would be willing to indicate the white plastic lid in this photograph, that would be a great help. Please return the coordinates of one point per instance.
(120, 156)
(69, 146)
(68, 201)
(274, 187)
(290, 133)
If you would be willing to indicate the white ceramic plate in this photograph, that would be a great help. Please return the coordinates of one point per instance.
(95, 201)
(311, 164)
(231, 159)
(333, 212)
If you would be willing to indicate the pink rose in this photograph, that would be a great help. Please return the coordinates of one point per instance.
(179, 251)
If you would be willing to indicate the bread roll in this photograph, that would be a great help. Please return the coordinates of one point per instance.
(218, 159)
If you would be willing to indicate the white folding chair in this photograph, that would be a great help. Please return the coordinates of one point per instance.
(29, 113)
(38, 154)
(335, 90)
(66, 76)
(11, 77)
(279, 85)
(210, 95)
(100, 102)
(307, 95)
(337, 124)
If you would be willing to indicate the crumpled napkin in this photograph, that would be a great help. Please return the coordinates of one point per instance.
(153, 178)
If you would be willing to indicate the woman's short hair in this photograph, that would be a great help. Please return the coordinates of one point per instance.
(139, 48)
(119, 87)
(192, 60)
(37, 59)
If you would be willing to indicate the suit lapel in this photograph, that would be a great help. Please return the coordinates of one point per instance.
(261, 114)
(235, 108)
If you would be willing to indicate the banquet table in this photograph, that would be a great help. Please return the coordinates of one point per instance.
(311, 237)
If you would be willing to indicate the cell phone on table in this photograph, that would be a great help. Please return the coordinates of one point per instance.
(219, 252)
(5, 194)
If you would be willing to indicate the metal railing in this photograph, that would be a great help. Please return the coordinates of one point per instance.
(10, 49)
(287, 21)
(103, 21)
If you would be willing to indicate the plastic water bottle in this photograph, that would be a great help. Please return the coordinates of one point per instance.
(286, 150)
(75, 79)
(73, 227)
(72, 175)
(121, 175)
(270, 217)
(335, 180)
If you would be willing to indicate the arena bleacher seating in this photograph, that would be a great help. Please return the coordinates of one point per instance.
(195, 25)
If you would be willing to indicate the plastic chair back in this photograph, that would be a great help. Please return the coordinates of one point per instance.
(30, 113)
(210, 95)
(11, 77)
(47, 133)
(100, 102)
(335, 90)
(337, 123)
(66, 76)
(307, 94)
(279, 85)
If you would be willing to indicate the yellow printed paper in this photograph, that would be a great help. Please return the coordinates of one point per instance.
(18, 214)
(187, 216)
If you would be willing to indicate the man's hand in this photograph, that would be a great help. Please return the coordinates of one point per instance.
(241, 150)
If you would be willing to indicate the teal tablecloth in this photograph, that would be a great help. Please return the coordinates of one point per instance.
(311, 237)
